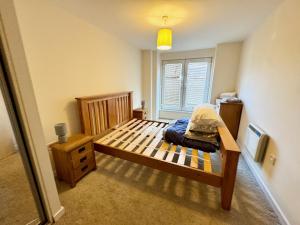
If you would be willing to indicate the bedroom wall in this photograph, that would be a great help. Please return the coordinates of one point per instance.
(269, 85)
(227, 61)
(209, 52)
(68, 58)
(151, 82)
(147, 85)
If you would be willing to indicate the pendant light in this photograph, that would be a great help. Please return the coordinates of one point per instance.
(164, 37)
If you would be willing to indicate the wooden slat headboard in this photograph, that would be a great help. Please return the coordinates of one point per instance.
(100, 113)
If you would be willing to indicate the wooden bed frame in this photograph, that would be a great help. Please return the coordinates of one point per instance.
(109, 119)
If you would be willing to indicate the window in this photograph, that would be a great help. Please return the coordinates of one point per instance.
(185, 83)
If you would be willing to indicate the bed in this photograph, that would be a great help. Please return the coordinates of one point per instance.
(109, 118)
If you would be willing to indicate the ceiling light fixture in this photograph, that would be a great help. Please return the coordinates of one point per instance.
(164, 37)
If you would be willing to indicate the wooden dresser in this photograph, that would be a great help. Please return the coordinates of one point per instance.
(231, 115)
(140, 114)
(74, 159)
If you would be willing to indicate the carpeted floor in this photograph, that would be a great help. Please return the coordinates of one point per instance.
(123, 193)
(17, 206)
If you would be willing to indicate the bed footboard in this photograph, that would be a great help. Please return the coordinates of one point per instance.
(230, 153)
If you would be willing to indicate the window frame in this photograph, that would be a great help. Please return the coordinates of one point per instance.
(185, 63)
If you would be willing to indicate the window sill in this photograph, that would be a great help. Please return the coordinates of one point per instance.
(170, 114)
(175, 111)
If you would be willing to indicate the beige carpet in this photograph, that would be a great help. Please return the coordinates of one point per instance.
(123, 193)
(17, 205)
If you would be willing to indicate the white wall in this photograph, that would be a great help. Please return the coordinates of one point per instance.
(270, 88)
(151, 82)
(200, 53)
(7, 139)
(227, 61)
(69, 58)
(156, 80)
(147, 74)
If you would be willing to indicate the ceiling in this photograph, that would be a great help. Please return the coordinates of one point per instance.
(196, 24)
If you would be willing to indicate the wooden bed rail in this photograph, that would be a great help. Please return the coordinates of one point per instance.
(230, 156)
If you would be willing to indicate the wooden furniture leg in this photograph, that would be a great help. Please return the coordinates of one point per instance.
(230, 163)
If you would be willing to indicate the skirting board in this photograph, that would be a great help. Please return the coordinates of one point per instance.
(59, 214)
(283, 219)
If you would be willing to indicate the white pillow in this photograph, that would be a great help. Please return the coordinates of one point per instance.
(205, 115)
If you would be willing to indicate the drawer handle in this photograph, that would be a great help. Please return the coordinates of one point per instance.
(83, 159)
(81, 149)
(84, 168)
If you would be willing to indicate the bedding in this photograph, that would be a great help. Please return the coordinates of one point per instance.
(175, 133)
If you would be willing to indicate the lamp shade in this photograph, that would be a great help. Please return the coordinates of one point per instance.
(164, 39)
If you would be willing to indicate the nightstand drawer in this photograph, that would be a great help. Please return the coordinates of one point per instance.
(81, 151)
(84, 169)
(78, 161)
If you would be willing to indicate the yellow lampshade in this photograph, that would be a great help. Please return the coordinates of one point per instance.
(164, 39)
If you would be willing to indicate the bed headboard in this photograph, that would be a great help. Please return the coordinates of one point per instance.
(100, 113)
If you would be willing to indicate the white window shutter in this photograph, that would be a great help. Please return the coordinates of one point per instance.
(185, 83)
(172, 85)
(196, 83)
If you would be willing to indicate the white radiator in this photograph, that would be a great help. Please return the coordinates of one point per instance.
(256, 142)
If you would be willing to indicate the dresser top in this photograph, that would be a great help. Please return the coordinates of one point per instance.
(73, 142)
(139, 110)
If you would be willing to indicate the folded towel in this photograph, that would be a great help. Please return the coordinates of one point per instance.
(211, 137)
(203, 128)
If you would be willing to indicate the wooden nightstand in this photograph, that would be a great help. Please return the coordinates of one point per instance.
(74, 159)
(140, 114)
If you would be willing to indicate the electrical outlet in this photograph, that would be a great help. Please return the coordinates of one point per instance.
(272, 159)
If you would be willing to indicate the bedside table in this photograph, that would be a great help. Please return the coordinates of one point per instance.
(140, 114)
(74, 159)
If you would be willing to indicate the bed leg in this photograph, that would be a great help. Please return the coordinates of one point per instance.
(230, 163)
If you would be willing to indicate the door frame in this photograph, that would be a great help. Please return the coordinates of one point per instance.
(16, 123)
(20, 84)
